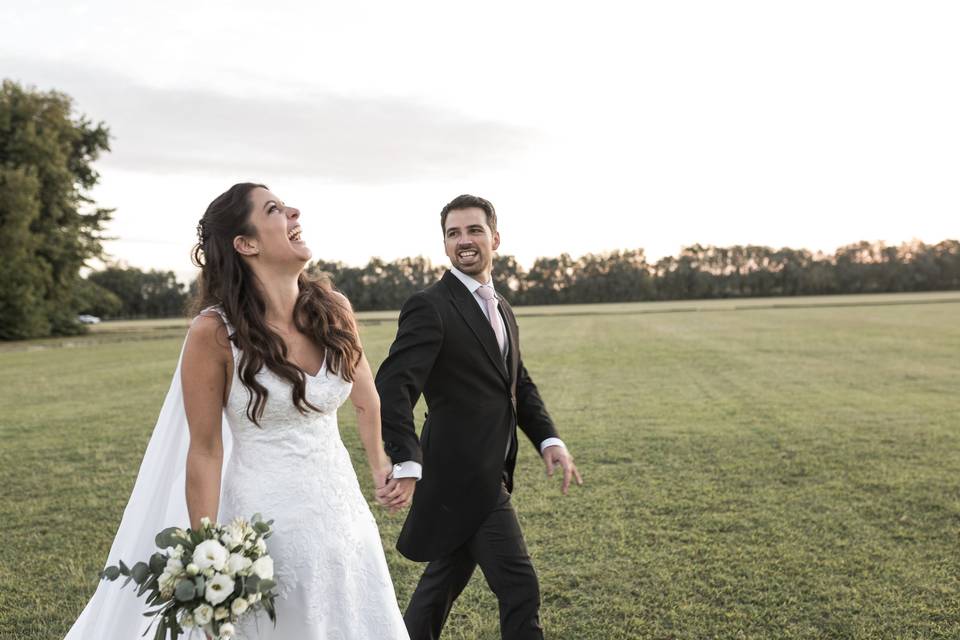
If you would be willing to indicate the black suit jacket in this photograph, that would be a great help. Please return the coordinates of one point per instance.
(446, 350)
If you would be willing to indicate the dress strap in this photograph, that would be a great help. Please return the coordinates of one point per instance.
(230, 330)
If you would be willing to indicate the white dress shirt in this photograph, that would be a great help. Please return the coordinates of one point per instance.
(412, 469)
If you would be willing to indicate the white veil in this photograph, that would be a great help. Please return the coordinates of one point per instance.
(158, 501)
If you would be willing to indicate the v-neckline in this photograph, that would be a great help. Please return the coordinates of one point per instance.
(323, 367)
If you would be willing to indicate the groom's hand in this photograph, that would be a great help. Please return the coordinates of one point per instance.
(559, 456)
(397, 493)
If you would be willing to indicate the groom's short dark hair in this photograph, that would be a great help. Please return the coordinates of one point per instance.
(467, 201)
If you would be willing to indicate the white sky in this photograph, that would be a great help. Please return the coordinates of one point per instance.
(591, 126)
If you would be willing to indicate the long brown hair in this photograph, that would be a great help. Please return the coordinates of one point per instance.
(226, 280)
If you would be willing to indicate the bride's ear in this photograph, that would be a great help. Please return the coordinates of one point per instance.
(246, 246)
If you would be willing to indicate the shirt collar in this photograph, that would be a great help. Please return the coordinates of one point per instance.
(468, 281)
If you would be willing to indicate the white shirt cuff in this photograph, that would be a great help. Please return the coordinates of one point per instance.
(408, 469)
(551, 442)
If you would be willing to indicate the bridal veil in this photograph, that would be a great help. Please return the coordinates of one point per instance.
(158, 501)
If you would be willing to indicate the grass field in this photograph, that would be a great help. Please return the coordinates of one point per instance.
(753, 469)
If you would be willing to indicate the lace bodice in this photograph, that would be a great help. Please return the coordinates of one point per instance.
(284, 431)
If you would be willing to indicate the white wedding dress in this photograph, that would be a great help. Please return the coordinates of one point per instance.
(333, 581)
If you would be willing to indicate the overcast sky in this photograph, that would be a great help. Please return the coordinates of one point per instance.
(591, 126)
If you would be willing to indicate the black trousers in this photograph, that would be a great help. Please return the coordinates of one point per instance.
(498, 548)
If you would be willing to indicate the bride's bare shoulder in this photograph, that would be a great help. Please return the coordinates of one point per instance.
(209, 334)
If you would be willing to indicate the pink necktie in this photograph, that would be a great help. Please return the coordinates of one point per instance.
(490, 299)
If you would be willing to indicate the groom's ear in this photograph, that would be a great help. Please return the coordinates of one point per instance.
(245, 246)
(496, 240)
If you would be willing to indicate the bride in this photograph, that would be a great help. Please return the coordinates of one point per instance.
(246, 428)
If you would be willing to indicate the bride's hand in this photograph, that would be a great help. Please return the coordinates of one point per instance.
(381, 474)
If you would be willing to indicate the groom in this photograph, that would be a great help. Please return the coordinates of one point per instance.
(458, 344)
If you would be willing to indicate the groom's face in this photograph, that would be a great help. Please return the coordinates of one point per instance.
(469, 241)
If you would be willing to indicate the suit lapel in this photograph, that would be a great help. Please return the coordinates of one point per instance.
(511, 326)
(468, 308)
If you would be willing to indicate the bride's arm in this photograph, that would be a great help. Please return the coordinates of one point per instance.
(203, 374)
(366, 404)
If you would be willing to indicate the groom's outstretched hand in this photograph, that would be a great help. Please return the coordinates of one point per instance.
(559, 456)
(397, 493)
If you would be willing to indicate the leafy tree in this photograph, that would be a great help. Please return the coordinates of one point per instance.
(97, 301)
(49, 227)
(151, 294)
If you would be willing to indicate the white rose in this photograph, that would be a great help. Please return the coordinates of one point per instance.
(237, 563)
(174, 567)
(233, 533)
(177, 552)
(203, 614)
(263, 567)
(218, 589)
(210, 553)
(220, 613)
(208, 572)
(166, 584)
(227, 630)
(260, 546)
(187, 621)
(192, 569)
(204, 521)
(239, 606)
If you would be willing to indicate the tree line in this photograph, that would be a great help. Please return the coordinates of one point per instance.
(698, 272)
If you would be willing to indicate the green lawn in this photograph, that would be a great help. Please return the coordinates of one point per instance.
(752, 470)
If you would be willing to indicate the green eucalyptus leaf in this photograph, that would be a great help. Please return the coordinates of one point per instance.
(185, 591)
(266, 585)
(157, 563)
(167, 538)
(139, 572)
(111, 573)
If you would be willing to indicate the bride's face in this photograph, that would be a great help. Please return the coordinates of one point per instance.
(277, 231)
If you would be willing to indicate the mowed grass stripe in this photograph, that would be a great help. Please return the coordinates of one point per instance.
(784, 473)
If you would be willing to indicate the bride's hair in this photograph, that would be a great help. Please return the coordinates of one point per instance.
(227, 280)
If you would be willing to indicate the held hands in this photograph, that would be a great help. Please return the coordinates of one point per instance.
(556, 455)
(397, 493)
(391, 493)
(381, 475)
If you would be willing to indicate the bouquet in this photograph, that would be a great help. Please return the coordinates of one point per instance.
(206, 578)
